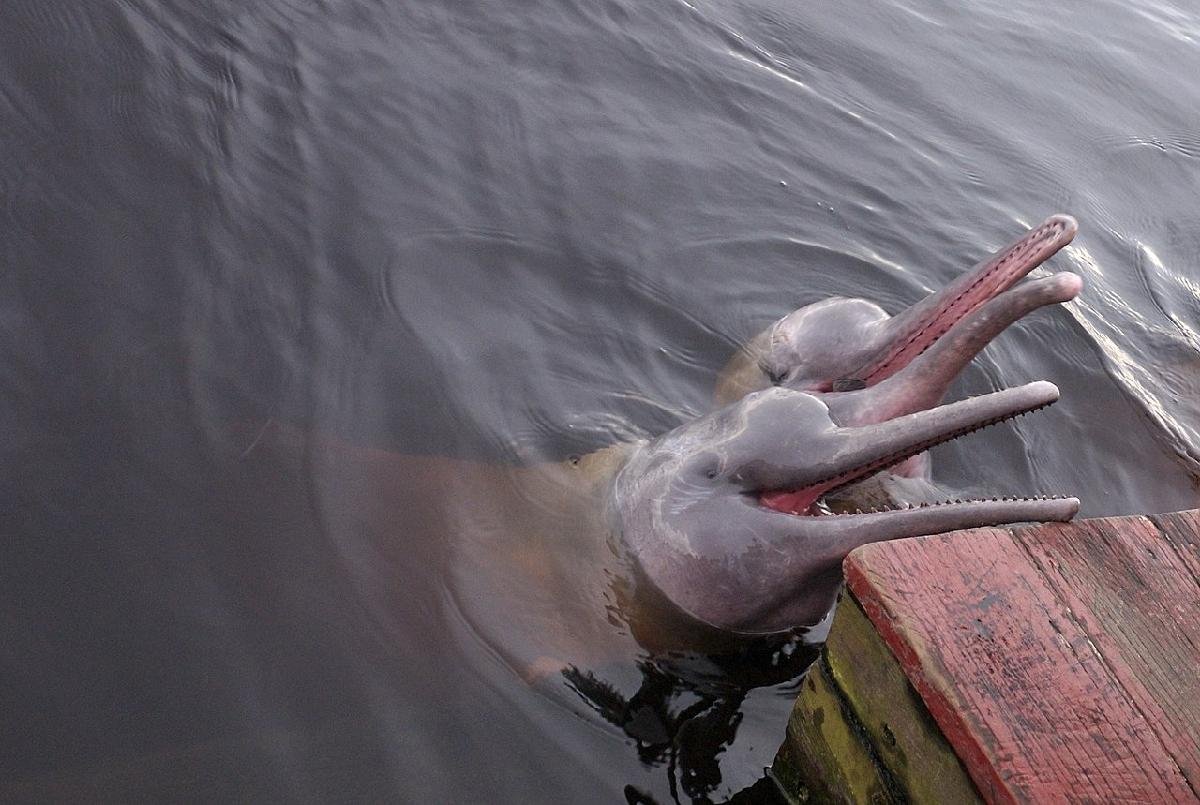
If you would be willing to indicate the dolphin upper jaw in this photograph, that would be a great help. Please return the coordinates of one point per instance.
(916, 329)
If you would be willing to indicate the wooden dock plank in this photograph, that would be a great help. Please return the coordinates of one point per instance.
(1140, 604)
(1013, 680)
(1182, 530)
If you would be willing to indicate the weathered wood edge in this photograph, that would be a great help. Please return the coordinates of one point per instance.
(943, 711)
(904, 736)
(938, 692)
(860, 733)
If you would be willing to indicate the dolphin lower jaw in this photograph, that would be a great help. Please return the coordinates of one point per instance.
(803, 604)
(923, 519)
(922, 325)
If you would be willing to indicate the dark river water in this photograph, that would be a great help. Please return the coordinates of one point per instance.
(295, 295)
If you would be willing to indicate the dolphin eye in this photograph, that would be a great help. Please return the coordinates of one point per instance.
(710, 468)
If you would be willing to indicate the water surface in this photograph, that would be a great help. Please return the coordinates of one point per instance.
(292, 293)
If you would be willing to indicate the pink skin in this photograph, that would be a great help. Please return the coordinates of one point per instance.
(926, 346)
(917, 328)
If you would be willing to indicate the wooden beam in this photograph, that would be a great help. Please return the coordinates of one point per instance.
(1047, 663)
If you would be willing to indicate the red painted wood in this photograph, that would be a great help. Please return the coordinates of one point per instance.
(1182, 531)
(1140, 605)
(1011, 677)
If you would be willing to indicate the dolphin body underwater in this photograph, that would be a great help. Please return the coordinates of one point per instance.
(715, 533)
(655, 582)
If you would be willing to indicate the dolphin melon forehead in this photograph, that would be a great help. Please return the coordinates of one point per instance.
(810, 347)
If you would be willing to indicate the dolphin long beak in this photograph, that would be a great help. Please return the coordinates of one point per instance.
(864, 450)
(938, 518)
(924, 381)
(916, 329)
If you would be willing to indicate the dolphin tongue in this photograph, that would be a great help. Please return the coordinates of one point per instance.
(799, 501)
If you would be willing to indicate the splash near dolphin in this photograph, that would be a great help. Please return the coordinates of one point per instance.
(723, 515)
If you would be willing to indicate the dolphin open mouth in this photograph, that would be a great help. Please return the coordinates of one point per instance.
(915, 330)
(876, 447)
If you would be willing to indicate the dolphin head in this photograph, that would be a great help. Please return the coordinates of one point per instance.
(723, 515)
(840, 344)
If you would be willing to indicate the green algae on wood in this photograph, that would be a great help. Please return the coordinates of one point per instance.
(824, 757)
(903, 735)
(860, 733)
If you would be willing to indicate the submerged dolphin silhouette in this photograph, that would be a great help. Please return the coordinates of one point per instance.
(339, 549)
(712, 531)
(721, 515)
